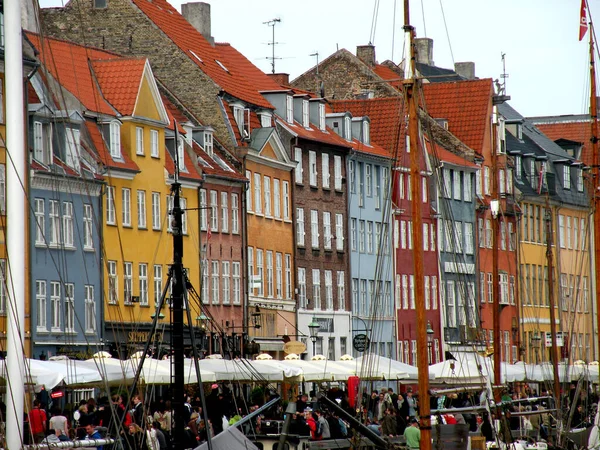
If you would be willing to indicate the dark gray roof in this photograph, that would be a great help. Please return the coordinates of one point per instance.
(565, 118)
(438, 74)
(259, 137)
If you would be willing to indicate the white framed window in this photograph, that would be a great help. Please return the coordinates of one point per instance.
(288, 276)
(427, 293)
(355, 295)
(368, 180)
(224, 212)
(72, 148)
(337, 172)
(143, 283)
(250, 270)
(339, 232)
(68, 232)
(316, 282)
(567, 177)
(451, 304)
(54, 216)
(158, 283)
(353, 237)
(2, 189)
(214, 211)
(38, 141)
(126, 206)
(411, 287)
(424, 196)
(237, 283)
(305, 118)
(361, 236)
(69, 308)
(341, 291)
(110, 205)
(456, 185)
(203, 210)
(154, 144)
(302, 287)
(156, 211)
(458, 237)
(276, 199)
(298, 171)
(289, 109)
(41, 299)
(561, 231)
(488, 233)
(469, 238)
(127, 282)
(269, 274)
(183, 206)
(328, 290)
(369, 237)
(215, 282)
(88, 227)
(235, 214)
(327, 230)
(260, 272)
(580, 180)
(180, 154)
(249, 192)
(434, 293)
(447, 183)
(352, 171)
(322, 126)
(362, 305)
(300, 227)
(278, 275)
(347, 128)
(55, 309)
(467, 187)
(486, 180)
(139, 141)
(312, 168)
(113, 283)
(90, 309)
(141, 209)
(361, 184)
(40, 220)
(225, 275)
(314, 228)
(257, 193)
(325, 170)
(115, 139)
(569, 232)
(286, 200)
(267, 187)
(478, 182)
(490, 293)
(208, 142)
(377, 236)
(265, 120)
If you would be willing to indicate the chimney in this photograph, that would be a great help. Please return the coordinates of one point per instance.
(280, 78)
(198, 15)
(366, 53)
(465, 69)
(424, 50)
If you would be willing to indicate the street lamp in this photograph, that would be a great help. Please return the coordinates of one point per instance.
(430, 339)
(313, 329)
(535, 344)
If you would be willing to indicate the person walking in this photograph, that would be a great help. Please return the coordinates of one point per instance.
(413, 435)
(37, 422)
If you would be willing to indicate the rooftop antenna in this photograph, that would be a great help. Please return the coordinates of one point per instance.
(501, 86)
(316, 54)
(271, 23)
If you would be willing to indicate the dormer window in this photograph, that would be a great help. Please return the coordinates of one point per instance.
(180, 154)
(580, 180)
(265, 120)
(115, 139)
(347, 128)
(42, 142)
(366, 132)
(321, 116)
(305, 122)
(501, 136)
(519, 132)
(518, 167)
(242, 118)
(208, 142)
(72, 148)
(532, 175)
(289, 108)
(567, 176)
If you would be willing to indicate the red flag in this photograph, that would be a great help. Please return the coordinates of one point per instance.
(583, 23)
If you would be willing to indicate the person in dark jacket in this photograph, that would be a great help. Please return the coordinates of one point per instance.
(160, 436)
(389, 425)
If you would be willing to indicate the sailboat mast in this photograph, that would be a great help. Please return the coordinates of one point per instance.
(411, 101)
(495, 207)
(595, 170)
(16, 213)
(551, 303)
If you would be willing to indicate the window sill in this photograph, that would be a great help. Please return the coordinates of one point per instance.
(127, 304)
(142, 228)
(112, 224)
(41, 245)
(258, 214)
(326, 188)
(298, 183)
(287, 220)
(155, 156)
(144, 306)
(128, 225)
(56, 331)
(139, 154)
(89, 249)
(90, 332)
(327, 250)
(42, 331)
(71, 333)
(268, 216)
(340, 250)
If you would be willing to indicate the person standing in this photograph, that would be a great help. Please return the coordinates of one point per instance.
(323, 429)
(138, 411)
(413, 435)
(59, 422)
(37, 422)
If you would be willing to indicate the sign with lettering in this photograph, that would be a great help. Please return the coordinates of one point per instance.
(361, 342)
(325, 324)
(294, 347)
(560, 341)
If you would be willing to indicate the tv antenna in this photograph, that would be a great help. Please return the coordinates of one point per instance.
(501, 86)
(271, 23)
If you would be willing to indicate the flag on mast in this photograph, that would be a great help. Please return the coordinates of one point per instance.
(583, 23)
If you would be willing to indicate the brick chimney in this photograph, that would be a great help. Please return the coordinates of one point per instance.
(424, 47)
(280, 78)
(198, 15)
(465, 69)
(366, 53)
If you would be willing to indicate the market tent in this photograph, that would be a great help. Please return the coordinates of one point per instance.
(320, 370)
(455, 372)
(73, 371)
(243, 369)
(371, 366)
(37, 374)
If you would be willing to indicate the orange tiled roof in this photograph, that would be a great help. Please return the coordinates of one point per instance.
(191, 172)
(104, 152)
(578, 131)
(440, 153)
(211, 167)
(465, 104)
(387, 74)
(68, 63)
(120, 80)
(189, 40)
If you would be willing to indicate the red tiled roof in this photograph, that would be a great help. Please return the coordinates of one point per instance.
(104, 152)
(68, 63)
(188, 39)
(313, 133)
(32, 96)
(213, 168)
(192, 172)
(120, 80)
(466, 105)
(578, 131)
(387, 74)
(440, 153)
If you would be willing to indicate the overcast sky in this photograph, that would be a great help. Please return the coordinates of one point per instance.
(547, 65)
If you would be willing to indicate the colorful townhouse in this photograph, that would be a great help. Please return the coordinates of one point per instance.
(124, 120)
(551, 184)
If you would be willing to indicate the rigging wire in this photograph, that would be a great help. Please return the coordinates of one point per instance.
(447, 32)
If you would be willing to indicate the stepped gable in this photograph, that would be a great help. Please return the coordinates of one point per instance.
(465, 104)
(120, 80)
(199, 50)
(68, 64)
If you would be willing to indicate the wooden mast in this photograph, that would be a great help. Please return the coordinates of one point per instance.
(495, 275)
(411, 90)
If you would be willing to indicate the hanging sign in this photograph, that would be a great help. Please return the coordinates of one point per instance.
(361, 342)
